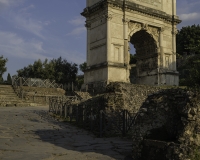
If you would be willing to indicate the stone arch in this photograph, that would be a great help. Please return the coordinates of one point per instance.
(145, 40)
(135, 27)
(110, 27)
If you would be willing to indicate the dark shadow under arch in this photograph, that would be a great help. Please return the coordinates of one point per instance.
(145, 69)
(144, 43)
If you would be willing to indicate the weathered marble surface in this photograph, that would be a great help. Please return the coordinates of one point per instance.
(146, 24)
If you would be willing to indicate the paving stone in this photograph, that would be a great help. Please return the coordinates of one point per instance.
(30, 133)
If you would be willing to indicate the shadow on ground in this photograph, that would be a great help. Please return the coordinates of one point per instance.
(70, 137)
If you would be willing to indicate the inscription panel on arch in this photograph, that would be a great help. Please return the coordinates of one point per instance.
(157, 4)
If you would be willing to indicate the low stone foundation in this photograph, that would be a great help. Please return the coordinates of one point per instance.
(167, 122)
(168, 126)
(128, 96)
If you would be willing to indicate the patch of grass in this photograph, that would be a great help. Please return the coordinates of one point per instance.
(196, 154)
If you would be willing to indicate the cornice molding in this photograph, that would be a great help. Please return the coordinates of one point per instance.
(106, 64)
(126, 6)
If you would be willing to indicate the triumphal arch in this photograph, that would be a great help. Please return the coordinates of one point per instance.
(149, 25)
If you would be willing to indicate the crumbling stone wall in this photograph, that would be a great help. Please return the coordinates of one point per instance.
(167, 126)
(167, 121)
(127, 96)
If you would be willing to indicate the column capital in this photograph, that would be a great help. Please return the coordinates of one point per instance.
(175, 32)
(161, 29)
(145, 26)
(126, 20)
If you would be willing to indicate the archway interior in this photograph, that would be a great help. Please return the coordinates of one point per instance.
(145, 57)
(144, 43)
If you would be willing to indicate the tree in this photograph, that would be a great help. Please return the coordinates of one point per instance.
(59, 70)
(1, 79)
(133, 59)
(3, 68)
(188, 40)
(190, 71)
(9, 79)
(83, 66)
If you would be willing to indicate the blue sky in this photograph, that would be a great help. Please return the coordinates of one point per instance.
(39, 29)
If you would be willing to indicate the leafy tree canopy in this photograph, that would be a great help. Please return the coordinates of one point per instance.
(1, 79)
(190, 71)
(3, 68)
(133, 59)
(188, 40)
(59, 70)
(9, 79)
(83, 66)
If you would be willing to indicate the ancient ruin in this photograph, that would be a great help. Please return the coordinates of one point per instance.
(149, 25)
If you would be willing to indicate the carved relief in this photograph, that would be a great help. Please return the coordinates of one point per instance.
(154, 31)
(145, 27)
(134, 26)
(161, 29)
(126, 21)
(175, 32)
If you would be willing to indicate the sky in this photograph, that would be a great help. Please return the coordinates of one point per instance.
(40, 29)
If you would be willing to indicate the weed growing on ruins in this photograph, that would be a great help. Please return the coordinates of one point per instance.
(196, 153)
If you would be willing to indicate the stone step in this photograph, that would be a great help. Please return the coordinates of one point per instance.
(8, 94)
(6, 91)
(9, 98)
(4, 86)
(20, 104)
(9, 101)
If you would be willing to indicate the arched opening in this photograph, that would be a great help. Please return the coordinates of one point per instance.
(132, 63)
(146, 56)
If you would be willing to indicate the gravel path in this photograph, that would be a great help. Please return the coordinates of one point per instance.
(30, 133)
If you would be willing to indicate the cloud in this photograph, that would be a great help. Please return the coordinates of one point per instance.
(27, 8)
(188, 11)
(28, 24)
(77, 21)
(22, 20)
(13, 45)
(77, 31)
(190, 16)
(8, 3)
(72, 56)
